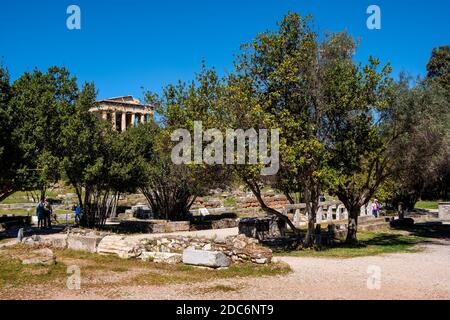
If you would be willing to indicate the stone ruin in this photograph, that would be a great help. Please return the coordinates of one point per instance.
(200, 251)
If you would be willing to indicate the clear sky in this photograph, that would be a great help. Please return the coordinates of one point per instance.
(126, 45)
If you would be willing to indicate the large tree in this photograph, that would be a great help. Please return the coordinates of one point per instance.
(277, 86)
(98, 162)
(9, 151)
(171, 188)
(40, 104)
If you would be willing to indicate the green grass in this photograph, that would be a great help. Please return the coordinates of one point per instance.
(32, 212)
(13, 274)
(369, 244)
(17, 212)
(230, 202)
(429, 205)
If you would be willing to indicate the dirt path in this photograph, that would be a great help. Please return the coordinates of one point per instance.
(421, 275)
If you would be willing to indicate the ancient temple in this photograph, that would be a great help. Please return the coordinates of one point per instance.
(123, 112)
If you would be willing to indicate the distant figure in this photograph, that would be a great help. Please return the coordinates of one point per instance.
(322, 198)
(48, 214)
(77, 210)
(376, 208)
(40, 213)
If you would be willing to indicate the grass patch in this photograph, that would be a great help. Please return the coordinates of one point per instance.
(106, 271)
(219, 288)
(17, 212)
(13, 274)
(428, 205)
(174, 274)
(370, 244)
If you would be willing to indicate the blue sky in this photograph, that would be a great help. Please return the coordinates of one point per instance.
(126, 45)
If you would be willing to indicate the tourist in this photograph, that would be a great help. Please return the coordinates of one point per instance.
(48, 214)
(40, 213)
(376, 208)
(77, 210)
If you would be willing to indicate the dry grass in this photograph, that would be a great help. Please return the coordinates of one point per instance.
(110, 273)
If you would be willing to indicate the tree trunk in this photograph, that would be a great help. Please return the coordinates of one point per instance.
(309, 238)
(5, 194)
(352, 228)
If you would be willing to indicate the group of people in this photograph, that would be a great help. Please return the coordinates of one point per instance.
(376, 208)
(44, 212)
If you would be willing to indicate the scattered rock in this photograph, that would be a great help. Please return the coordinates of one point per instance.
(42, 256)
(34, 240)
(59, 242)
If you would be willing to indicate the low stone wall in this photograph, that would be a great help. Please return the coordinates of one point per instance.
(239, 248)
(444, 211)
(165, 249)
(270, 198)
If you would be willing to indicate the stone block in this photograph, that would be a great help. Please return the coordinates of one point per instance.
(444, 211)
(212, 259)
(83, 243)
(59, 242)
(119, 245)
(177, 226)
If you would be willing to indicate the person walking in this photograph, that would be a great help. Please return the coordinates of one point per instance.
(376, 208)
(77, 213)
(48, 213)
(40, 213)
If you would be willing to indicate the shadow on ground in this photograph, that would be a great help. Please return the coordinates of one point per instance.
(434, 230)
(385, 241)
(29, 231)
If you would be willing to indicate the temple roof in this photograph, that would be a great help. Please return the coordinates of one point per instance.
(124, 101)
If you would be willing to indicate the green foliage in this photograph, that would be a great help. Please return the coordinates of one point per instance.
(422, 167)
(169, 188)
(439, 66)
(41, 103)
(8, 147)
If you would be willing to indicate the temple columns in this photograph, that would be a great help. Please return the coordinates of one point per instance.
(113, 120)
(123, 125)
(133, 119)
